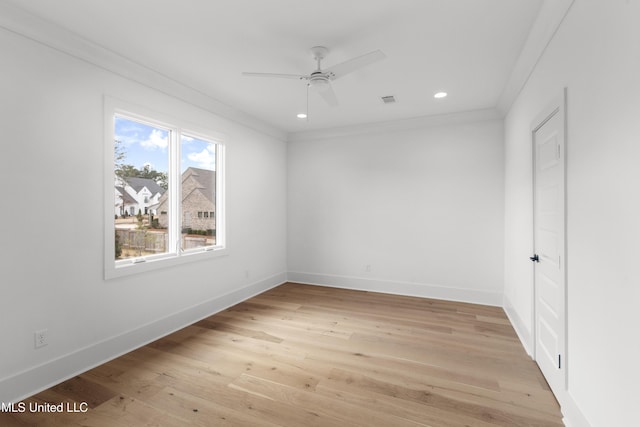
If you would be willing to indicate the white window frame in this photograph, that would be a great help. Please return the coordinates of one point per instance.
(175, 255)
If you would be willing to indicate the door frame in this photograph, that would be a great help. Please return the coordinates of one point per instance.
(557, 106)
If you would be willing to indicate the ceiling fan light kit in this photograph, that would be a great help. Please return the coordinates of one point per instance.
(320, 80)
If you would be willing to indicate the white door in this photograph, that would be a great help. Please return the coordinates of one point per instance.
(549, 248)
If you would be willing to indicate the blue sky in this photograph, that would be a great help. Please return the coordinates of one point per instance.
(145, 144)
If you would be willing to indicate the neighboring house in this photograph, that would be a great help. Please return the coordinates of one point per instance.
(134, 195)
(124, 202)
(198, 200)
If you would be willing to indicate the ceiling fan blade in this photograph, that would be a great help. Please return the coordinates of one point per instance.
(283, 76)
(328, 95)
(354, 64)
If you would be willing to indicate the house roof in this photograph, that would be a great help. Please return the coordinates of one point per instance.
(205, 184)
(139, 183)
(126, 197)
(206, 179)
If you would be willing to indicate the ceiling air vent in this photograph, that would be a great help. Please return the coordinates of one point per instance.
(388, 99)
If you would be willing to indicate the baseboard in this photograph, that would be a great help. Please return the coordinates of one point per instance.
(573, 416)
(38, 378)
(518, 325)
(398, 288)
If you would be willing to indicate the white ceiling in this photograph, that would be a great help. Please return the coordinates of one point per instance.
(467, 48)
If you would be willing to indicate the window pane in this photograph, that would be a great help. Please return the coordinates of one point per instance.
(141, 180)
(198, 168)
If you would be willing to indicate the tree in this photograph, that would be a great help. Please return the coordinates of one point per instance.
(119, 155)
(160, 178)
(124, 171)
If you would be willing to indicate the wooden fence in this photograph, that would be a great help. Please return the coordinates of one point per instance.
(151, 241)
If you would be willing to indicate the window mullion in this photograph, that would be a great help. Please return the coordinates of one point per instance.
(174, 179)
(220, 196)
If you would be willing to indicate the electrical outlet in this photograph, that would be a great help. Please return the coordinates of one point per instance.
(246, 274)
(367, 268)
(41, 337)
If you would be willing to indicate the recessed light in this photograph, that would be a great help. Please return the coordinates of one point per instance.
(440, 95)
(301, 116)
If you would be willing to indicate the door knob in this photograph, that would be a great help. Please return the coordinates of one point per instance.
(534, 258)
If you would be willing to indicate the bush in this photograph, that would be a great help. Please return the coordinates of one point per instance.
(118, 246)
(209, 232)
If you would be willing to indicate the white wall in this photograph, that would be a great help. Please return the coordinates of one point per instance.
(595, 54)
(421, 204)
(51, 222)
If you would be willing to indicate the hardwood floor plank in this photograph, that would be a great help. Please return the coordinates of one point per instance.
(366, 399)
(340, 410)
(301, 355)
(491, 414)
(197, 411)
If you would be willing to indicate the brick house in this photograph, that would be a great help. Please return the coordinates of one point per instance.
(198, 200)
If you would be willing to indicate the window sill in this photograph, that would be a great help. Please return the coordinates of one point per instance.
(141, 265)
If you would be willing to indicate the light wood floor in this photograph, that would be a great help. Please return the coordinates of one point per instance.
(314, 356)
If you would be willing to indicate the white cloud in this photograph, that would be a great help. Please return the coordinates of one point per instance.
(127, 139)
(156, 140)
(205, 159)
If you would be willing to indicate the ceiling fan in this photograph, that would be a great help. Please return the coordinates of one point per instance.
(320, 80)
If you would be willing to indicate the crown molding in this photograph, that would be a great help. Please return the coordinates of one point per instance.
(23, 23)
(549, 20)
(397, 125)
(17, 20)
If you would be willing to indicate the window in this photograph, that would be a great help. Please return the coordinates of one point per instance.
(167, 180)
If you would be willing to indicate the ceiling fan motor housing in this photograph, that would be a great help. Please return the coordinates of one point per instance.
(318, 80)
